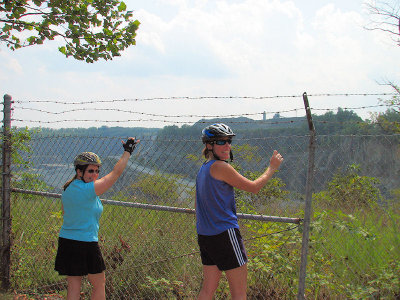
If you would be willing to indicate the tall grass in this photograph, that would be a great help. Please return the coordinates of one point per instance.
(154, 255)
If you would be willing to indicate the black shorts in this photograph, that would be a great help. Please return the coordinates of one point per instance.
(225, 250)
(76, 258)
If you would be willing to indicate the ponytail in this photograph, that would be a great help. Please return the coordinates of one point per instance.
(205, 152)
(69, 182)
(80, 167)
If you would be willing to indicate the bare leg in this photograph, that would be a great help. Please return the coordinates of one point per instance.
(211, 277)
(74, 287)
(237, 279)
(98, 282)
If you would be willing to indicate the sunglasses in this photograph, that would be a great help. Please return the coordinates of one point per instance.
(223, 142)
(91, 171)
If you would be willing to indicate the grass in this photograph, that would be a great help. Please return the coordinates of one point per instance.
(154, 255)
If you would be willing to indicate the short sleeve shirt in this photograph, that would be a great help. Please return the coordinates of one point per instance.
(82, 211)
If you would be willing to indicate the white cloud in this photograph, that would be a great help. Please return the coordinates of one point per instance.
(14, 66)
(219, 48)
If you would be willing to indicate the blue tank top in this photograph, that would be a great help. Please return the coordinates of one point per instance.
(82, 211)
(215, 203)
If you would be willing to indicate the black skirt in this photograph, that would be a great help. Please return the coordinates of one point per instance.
(76, 258)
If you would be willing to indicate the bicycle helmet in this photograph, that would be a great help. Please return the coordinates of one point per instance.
(87, 158)
(216, 131)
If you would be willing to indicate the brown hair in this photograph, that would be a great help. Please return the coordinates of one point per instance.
(206, 152)
(80, 167)
(69, 182)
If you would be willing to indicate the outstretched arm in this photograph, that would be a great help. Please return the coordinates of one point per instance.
(225, 172)
(103, 184)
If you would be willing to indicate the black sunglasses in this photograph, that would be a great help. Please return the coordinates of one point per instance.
(91, 171)
(223, 142)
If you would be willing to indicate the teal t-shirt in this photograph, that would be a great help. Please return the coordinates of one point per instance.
(82, 211)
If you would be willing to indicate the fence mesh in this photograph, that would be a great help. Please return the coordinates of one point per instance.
(149, 253)
(147, 230)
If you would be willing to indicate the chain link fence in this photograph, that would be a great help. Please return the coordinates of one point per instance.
(147, 230)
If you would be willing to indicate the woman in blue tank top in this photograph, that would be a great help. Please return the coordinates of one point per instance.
(78, 252)
(220, 242)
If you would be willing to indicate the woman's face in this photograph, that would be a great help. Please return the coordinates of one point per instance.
(91, 173)
(222, 151)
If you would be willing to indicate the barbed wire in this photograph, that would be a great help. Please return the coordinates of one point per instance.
(156, 115)
(155, 120)
(358, 122)
(252, 122)
(162, 118)
(40, 136)
(194, 115)
(206, 97)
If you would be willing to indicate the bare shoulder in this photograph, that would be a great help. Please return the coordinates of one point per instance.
(220, 169)
(219, 164)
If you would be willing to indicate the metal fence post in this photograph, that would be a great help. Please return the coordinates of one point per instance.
(5, 255)
(307, 209)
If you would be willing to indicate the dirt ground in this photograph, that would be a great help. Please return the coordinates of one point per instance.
(15, 296)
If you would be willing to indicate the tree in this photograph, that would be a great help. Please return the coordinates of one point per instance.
(385, 16)
(389, 121)
(350, 189)
(91, 29)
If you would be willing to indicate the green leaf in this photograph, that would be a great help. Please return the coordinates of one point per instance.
(7, 28)
(122, 6)
(62, 49)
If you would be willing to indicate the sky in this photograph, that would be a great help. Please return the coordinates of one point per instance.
(204, 58)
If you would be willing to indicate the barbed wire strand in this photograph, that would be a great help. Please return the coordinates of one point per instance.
(207, 97)
(154, 120)
(253, 122)
(194, 115)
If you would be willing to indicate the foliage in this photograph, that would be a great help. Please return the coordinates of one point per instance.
(354, 255)
(246, 152)
(351, 255)
(155, 187)
(343, 122)
(274, 260)
(349, 189)
(32, 182)
(163, 287)
(20, 138)
(273, 190)
(103, 131)
(389, 121)
(91, 29)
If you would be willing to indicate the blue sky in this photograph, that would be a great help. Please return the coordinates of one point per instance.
(250, 48)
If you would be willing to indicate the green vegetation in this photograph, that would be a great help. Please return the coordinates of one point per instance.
(152, 254)
(354, 238)
(91, 30)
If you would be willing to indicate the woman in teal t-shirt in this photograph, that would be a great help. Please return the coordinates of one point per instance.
(78, 252)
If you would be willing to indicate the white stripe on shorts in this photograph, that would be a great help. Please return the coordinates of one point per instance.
(236, 248)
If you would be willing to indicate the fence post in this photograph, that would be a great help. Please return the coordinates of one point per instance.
(307, 209)
(5, 254)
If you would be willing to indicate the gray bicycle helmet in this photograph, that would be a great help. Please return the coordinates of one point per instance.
(216, 131)
(87, 158)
